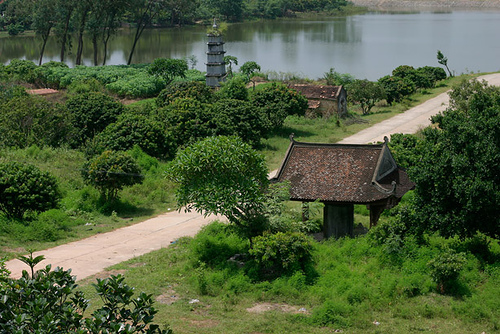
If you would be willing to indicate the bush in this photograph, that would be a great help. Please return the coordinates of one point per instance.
(282, 254)
(22, 70)
(240, 118)
(110, 172)
(132, 129)
(91, 113)
(396, 88)
(32, 120)
(446, 268)
(216, 243)
(193, 89)
(276, 102)
(188, 120)
(25, 188)
(233, 89)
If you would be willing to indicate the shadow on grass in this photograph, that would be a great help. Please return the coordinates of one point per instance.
(122, 209)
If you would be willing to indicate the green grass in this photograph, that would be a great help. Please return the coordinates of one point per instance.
(357, 285)
(80, 214)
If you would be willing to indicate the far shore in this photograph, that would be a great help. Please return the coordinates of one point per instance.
(429, 4)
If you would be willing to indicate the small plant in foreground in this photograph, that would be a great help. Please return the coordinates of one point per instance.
(46, 303)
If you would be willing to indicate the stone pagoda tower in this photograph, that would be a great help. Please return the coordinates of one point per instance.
(216, 67)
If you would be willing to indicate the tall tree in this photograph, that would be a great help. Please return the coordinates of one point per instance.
(64, 11)
(81, 17)
(43, 22)
(114, 11)
(143, 14)
(457, 175)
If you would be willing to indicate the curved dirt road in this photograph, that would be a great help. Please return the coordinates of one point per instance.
(92, 255)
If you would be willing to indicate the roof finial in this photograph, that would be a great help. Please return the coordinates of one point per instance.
(291, 136)
(215, 25)
(386, 140)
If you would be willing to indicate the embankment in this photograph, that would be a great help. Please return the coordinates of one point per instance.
(428, 4)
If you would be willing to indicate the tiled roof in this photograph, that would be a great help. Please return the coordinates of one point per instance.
(359, 174)
(317, 91)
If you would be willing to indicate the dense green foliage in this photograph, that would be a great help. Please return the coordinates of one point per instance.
(47, 302)
(132, 129)
(222, 175)
(91, 113)
(366, 93)
(277, 102)
(25, 188)
(188, 89)
(457, 170)
(282, 254)
(32, 120)
(110, 172)
(168, 69)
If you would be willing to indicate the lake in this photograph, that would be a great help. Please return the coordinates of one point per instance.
(368, 46)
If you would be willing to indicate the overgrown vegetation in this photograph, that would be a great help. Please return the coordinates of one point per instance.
(428, 259)
(369, 284)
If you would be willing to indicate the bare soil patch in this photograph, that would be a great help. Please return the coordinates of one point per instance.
(266, 307)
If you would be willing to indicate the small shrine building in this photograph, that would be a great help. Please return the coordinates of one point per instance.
(340, 176)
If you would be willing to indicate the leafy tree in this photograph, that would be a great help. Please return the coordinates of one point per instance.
(435, 73)
(457, 176)
(443, 61)
(91, 113)
(222, 175)
(110, 172)
(366, 93)
(230, 10)
(63, 12)
(143, 13)
(240, 118)
(421, 79)
(396, 88)
(230, 60)
(248, 69)
(47, 302)
(25, 188)
(168, 69)
(277, 101)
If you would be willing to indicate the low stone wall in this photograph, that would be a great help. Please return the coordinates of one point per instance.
(430, 4)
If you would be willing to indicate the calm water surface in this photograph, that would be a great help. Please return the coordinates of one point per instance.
(367, 46)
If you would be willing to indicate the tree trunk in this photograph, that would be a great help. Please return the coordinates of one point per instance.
(94, 43)
(65, 35)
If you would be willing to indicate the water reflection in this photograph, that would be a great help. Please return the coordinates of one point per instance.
(367, 46)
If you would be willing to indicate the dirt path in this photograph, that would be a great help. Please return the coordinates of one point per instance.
(92, 255)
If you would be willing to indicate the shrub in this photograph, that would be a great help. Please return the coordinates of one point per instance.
(132, 129)
(110, 172)
(233, 89)
(168, 69)
(193, 89)
(446, 268)
(216, 243)
(30, 120)
(25, 188)
(188, 120)
(90, 114)
(23, 70)
(282, 253)
(332, 313)
(277, 102)
(240, 118)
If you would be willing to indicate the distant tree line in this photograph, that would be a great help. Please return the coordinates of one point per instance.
(70, 20)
